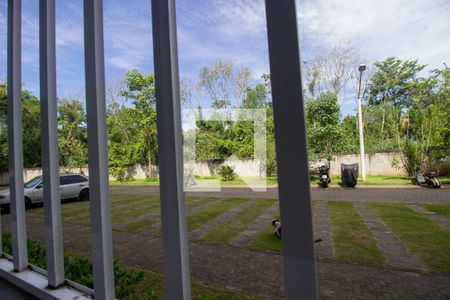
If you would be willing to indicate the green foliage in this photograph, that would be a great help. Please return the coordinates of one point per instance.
(72, 133)
(31, 129)
(409, 113)
(218, 140)
(325, 133)
(132, 130)
(79, 269)
(404, 109)
(392, 81)
(227, 173)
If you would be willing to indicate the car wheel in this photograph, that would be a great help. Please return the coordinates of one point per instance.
(28, 204)
(84, 195)
(5, 208)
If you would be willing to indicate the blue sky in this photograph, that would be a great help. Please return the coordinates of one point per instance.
(233, 30)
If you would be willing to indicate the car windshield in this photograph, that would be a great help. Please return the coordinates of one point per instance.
(33, 182)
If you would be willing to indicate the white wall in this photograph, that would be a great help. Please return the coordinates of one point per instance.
(378, 163)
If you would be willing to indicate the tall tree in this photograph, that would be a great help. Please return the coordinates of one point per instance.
(224, 84)
(140, 91)
(325, 135)
(31, 129)
(72, 133)
(390, 88)
(330, 70)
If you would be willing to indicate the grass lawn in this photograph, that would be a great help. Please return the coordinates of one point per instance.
(130, 283)
(271, 180)
(440, 209)
(267, 240)
(352, 240)
(225, 232)
(146, 181)
(424, 238)
(370, 180)
(204, 216)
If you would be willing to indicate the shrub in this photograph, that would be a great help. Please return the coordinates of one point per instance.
(227, 173)
(79, 269)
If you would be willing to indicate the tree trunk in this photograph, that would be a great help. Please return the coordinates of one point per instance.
(149, 170)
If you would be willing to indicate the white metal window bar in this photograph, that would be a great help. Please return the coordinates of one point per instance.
(298, 247)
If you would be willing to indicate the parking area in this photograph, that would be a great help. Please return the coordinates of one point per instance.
(377, 233)
(390, 194)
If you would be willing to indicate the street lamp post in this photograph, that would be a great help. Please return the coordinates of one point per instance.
(361, 69)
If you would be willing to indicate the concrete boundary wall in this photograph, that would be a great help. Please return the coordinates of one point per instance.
(377, 163)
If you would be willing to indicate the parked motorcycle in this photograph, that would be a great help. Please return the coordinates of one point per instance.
(428, 179)
(324, 176)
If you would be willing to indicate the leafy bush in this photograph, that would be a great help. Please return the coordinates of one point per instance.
(227, 173)
(79, 269)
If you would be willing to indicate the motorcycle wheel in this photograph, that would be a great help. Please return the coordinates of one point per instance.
(324, 184)
(436, 183)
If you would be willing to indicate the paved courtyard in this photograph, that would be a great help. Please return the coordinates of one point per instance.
(236, 265)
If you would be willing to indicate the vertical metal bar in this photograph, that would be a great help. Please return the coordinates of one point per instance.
(18, 224)
(98, 150)
(291, 148)
(173, 215)
(49, 139)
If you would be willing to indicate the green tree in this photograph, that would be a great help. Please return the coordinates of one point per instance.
(72, 133)
(325, 135)
(123, 149)
(408, 112)
(389, 90)
(31, 129)
(140, 91)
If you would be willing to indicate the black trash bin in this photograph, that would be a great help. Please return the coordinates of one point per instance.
(349, 175)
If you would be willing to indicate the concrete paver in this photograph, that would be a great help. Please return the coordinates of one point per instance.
(396, 253)
(441, 220)
(322, 230)
(246, 237)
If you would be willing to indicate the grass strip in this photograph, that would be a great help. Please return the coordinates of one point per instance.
(134, 211)
(223, 233)
(423, 237)
(352, 240)
(211, 212)
(136, 226)
(130, 283)
(440, 209)
(267, 240)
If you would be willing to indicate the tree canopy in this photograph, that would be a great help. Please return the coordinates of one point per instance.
(405, 108)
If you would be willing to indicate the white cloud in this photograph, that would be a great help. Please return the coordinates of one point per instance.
(231, 30)
(128, 34)
(381, 28)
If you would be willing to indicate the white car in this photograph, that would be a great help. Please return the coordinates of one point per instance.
(71, 186)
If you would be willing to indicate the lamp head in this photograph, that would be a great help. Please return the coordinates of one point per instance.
(362, 67)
